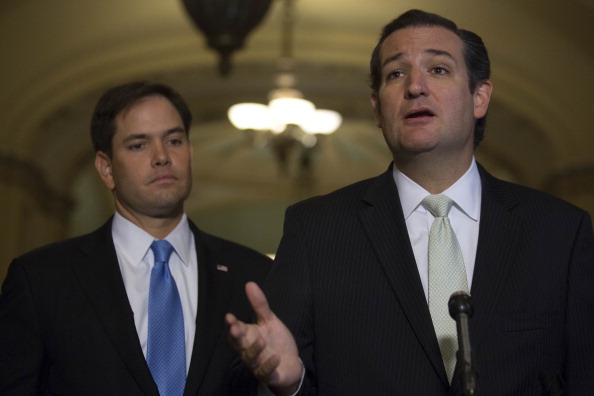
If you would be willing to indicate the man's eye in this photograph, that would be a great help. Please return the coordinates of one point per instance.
(136, 146)
(394, 74)
(176, 141)
(439, 70)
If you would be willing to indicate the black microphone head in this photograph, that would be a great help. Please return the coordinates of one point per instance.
(460, 303)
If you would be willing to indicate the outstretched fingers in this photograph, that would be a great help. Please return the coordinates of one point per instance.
(251, 346)
(267, 348)
(237, 331)
(244, 338)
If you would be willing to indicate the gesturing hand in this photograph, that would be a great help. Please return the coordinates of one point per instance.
(267, 348)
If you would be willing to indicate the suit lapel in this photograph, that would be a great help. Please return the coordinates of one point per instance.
(213, 300)
(102, 281)
(383, 221)
(496, 250)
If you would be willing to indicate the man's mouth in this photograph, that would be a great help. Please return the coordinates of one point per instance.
(420, 113)
(164, 178)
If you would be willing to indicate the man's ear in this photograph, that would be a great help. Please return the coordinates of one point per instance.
(482, 97)
(103, 166)
(377, 110)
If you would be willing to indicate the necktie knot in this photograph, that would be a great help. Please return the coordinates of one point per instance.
(162, 251)
(439, 205)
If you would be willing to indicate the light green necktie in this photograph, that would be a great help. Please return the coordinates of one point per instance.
(447, 275)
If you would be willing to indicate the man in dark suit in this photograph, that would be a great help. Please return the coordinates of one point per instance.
(75, 316)
(351, 279)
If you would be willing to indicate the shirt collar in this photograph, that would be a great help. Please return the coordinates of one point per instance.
(466, 192)
(133, 242)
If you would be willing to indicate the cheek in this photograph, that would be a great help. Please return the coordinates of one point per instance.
(185, 160)
(461, 105)
(388, 108)
(126, 176)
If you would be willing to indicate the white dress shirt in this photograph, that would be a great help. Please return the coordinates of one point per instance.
(464, 217)
(136, 261)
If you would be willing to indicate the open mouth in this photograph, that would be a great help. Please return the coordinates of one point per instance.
(420, 113)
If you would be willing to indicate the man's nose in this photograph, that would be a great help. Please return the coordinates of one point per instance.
(416, 84)
(160, 155)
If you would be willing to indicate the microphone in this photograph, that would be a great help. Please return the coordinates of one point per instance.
(460, 308)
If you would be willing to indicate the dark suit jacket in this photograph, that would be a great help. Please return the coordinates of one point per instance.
(346, 284)
(66, 327)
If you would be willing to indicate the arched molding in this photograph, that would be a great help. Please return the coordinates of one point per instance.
(27, 176)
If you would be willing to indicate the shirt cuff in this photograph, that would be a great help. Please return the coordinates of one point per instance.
(263, 389)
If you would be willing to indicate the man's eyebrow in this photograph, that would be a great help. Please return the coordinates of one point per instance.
(430, 51)
(175, 130)
(135, 136)
(440, 52)
(392, 58)
(139, 136)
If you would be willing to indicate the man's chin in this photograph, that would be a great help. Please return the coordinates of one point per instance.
(165, 212)
(167, 207)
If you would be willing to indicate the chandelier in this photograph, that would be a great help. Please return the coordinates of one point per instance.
(226, 24)
(288, 117)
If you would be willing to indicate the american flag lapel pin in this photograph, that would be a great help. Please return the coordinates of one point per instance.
(223, 268)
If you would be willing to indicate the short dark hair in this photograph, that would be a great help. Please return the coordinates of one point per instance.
(475, 53)
(121, 98)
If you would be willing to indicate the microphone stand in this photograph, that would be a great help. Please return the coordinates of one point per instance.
(460, 308)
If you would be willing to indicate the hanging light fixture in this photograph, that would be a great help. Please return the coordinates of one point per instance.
(226, 24)
(286, 106)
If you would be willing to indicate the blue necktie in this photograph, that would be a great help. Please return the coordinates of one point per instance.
(166, 351)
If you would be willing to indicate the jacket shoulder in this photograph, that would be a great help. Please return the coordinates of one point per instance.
(63, 249)
(351, 195)
(527, 199)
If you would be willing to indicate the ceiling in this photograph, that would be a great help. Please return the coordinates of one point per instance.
(58, 56)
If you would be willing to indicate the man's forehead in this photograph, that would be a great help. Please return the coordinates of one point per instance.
(429, 40)
(124, 112)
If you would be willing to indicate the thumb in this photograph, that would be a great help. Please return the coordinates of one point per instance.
(258, 302)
